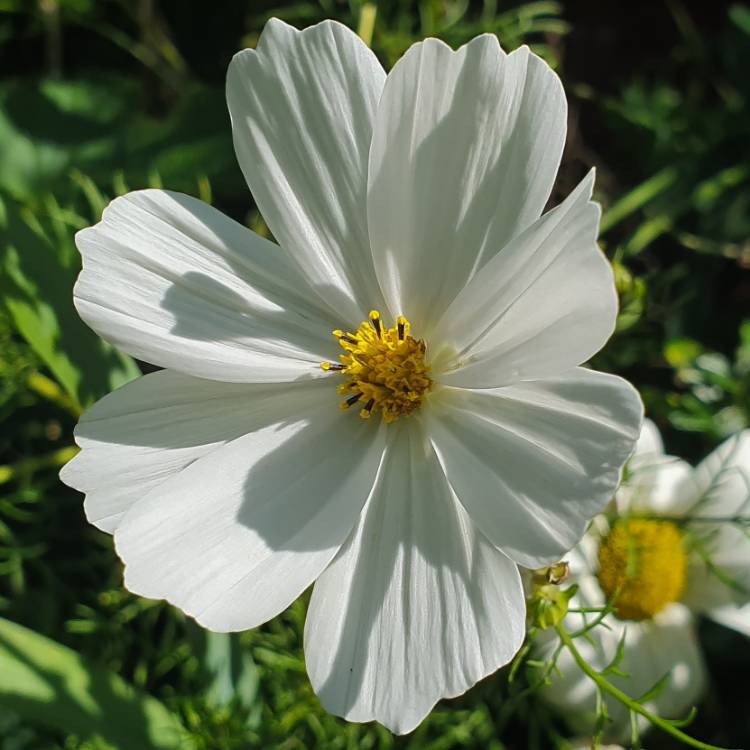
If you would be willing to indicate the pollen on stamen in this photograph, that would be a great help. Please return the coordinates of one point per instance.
(385, 367)
(341, 336)
(375, 321)
(367, 410)
(350, 401)
(403, 327)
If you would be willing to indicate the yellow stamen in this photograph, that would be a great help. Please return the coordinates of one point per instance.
(386, 368)
(642, 566)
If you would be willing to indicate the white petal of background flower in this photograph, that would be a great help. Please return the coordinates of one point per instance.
(176, 283)
(657, 484)
(653, 648)
(543, 304)
(649, 441)
(239, 534)
(465, 150)
(416, 606)
(667, 644)
(723, 484)
(302, 107)
(732, 616)
(533, 462)
(142, 434)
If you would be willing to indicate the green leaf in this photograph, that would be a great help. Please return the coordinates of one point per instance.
(233, 673)
(47, 127)
(637, 198)
(681, 352)
(740, 15)
(614, 666)
(38, 268)
(98, 125)
(742, 356)
(680, 723)
(46, 682)
(655, 690)
(709, 192)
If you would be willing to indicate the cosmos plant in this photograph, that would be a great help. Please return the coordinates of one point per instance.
(672, 546)
(390, 402)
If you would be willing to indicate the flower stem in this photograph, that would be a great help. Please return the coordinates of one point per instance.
(366, 26)
(605, 685)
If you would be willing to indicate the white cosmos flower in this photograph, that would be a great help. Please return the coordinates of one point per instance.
(232, 480)
(669, 520)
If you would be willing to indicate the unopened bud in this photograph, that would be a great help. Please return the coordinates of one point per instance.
(554, 574)
(549, 604)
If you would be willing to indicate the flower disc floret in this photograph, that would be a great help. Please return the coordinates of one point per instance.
(642, 567)
(386, 368)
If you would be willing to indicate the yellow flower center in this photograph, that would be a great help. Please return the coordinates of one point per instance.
(385, 368)
(642, 567)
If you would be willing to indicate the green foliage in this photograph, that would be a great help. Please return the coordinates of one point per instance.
(44, 680)
(39, 267)
(713, 390)
(98, 98)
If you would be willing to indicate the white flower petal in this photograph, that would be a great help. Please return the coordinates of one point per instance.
(465, 150)
(542, 305)
(654, 482)
(723, 490)
(649, 441)
(238, 534)
(142, 434)
(732, 616)
(657, 484)
(174, 282)
(534, 462)
(416, 606)
(302, 107)
(653, 648)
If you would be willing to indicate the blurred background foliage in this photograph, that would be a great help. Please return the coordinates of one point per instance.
(98, 97)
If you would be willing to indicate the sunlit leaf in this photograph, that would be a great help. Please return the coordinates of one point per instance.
(48, 683)
(37, 274)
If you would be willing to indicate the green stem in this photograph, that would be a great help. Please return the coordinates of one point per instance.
(606, 686)
(638, 197)
(366, 26)
(50, 390)
(29, 466)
